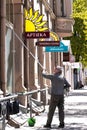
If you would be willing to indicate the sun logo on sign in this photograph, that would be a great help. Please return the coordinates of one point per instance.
(34, 22)
(53, 37)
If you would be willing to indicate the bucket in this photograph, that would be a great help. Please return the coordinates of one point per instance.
(31, 121)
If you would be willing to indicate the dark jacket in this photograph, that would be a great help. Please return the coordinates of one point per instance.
(58, 83)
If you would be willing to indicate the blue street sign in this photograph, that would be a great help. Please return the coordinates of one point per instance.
(61, 48)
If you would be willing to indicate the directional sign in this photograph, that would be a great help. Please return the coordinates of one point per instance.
(61, 48)
(48, 43)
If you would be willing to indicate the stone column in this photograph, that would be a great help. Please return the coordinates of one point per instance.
(2, 45)
(31, 67)
(26, 65)
(19, 64)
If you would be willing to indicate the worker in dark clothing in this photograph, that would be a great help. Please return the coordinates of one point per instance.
(57, 95)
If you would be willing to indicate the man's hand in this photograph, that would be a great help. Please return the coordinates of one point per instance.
(44, 71)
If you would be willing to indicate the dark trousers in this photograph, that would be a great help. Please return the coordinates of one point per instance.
(59, 102)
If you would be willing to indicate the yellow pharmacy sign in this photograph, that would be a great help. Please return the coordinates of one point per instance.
(35, 27)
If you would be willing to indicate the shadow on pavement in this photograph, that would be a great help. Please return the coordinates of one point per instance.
(72, 126)
(76, 113)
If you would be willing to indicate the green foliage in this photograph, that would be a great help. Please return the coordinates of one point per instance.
(79, 6)
(79, 38)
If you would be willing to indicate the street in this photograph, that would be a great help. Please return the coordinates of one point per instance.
(75, 114)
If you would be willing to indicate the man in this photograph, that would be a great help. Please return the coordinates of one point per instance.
(57, 95)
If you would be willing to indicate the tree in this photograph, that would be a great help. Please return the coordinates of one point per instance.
(79, 38)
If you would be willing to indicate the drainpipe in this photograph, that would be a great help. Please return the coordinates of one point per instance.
(2, 45)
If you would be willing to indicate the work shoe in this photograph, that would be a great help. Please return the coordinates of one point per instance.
(61, 125)
(47, 126)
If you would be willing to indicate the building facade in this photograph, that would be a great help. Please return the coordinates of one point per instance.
(21, 61)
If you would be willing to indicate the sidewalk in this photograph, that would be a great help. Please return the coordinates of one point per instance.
(75, 114)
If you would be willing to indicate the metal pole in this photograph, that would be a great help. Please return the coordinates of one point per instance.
(27, 49)
(30, 105)
(7, 98)
(31, 92)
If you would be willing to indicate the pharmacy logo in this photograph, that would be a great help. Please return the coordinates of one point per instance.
(34, 22)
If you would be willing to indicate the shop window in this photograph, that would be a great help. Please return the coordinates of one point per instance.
(9, 58)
